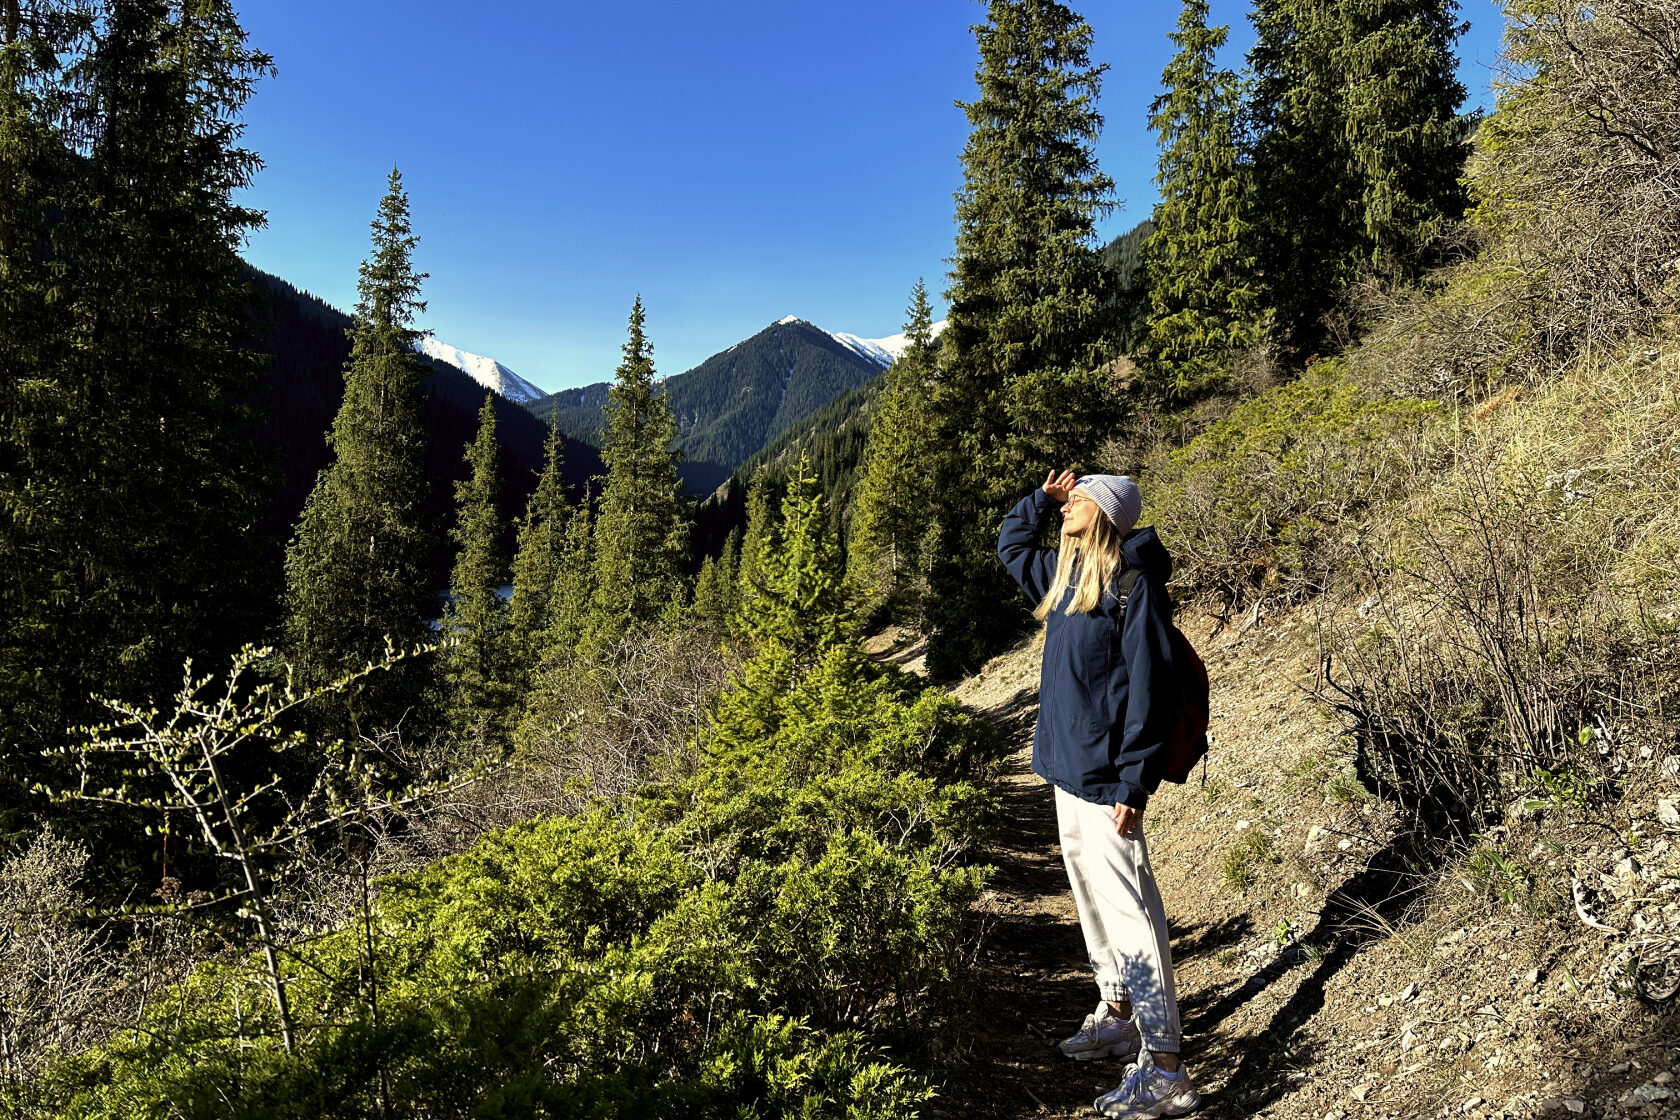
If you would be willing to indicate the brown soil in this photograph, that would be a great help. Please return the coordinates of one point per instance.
(1318, 977)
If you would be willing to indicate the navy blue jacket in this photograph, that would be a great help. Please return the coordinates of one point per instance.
(1106, 690)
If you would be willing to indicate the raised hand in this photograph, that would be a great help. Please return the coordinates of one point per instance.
(1059, 486)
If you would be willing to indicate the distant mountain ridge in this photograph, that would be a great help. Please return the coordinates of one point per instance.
(735, 402)
(488, 372)
(305, 385)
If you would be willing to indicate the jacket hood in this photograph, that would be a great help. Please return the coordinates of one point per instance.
(1143, 549)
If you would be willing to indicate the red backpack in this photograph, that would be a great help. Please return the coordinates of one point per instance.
(1187, 742)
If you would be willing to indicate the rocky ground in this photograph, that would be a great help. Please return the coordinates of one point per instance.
(1320, 976)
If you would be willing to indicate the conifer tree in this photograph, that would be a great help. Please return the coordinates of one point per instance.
(1357, 156)
(759, 541)
(1302, 174)
(130, 491)
(1198, 263)
(641, 533)
(540, 551)
(358, 570)
(889, 511)
(709, 607)
(717, 588)
(1024, 383)
(476, 666)
(1402, 96)
(572, 591)
(729, 574)
(799, 602)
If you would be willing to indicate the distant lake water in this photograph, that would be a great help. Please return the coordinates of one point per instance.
(504, 592)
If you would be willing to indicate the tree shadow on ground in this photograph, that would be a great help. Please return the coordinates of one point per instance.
(1264, 1066)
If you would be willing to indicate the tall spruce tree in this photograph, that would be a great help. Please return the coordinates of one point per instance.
(641, 533)
(799, 602)
(477, 668)
(1198, 264)
(889, 510)
(129, 489)
(1402, 97)
(758, 542)
(572, 592)
(359, 568)
(1358, 149)
(539, 553)
(1302, 174)
(1024, 385)
(717, 589)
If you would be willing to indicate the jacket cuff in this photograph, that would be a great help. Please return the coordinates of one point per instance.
(1133, 797)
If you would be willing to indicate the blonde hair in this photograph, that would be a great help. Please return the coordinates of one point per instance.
(1088, 562)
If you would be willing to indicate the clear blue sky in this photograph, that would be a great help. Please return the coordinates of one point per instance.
(733, 161)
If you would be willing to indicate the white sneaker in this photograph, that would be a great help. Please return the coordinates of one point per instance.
(1146, 1092)
(1103, 1033)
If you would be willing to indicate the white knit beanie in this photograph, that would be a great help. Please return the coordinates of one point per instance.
(1116, 495)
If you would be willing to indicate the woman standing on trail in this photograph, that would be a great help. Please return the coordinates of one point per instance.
(1105, 706)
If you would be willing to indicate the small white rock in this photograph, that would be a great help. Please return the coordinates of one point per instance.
(1344, 845)
(1668, 812)
(1647, 1093)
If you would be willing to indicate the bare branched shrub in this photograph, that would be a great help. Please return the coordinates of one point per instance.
(1576, 180)
(54, 971)
(592, 729)
(1267, 500)
(1521, 622)
(72, 975)
(197, 764)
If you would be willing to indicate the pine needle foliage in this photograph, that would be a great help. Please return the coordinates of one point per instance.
(130, 492)
(1024, 384)
(539, 553)
(888, 524)
(1359, 148)
(799, 601)
(760, 540)
(477, 669)
(358, 570)
(573, 588)
(1198, 263)
(641, 532)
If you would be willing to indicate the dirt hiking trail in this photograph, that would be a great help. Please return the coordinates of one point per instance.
(1317, 978)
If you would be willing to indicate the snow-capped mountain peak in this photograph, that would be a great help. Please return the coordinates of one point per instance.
(488, 372)
(882, 351)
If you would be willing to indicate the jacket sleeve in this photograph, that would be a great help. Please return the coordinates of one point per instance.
(1033, 567)
(1146, 644)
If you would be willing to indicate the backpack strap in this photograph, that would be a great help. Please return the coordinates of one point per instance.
(1122, 588)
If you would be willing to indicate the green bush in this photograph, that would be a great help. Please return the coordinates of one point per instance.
(1257, 503)
(742, 939)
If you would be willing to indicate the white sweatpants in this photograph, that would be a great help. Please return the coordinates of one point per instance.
(1121, 914)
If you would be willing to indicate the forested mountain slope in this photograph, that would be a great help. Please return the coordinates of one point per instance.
(305, 384)
(733, 403)
(831, 439)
